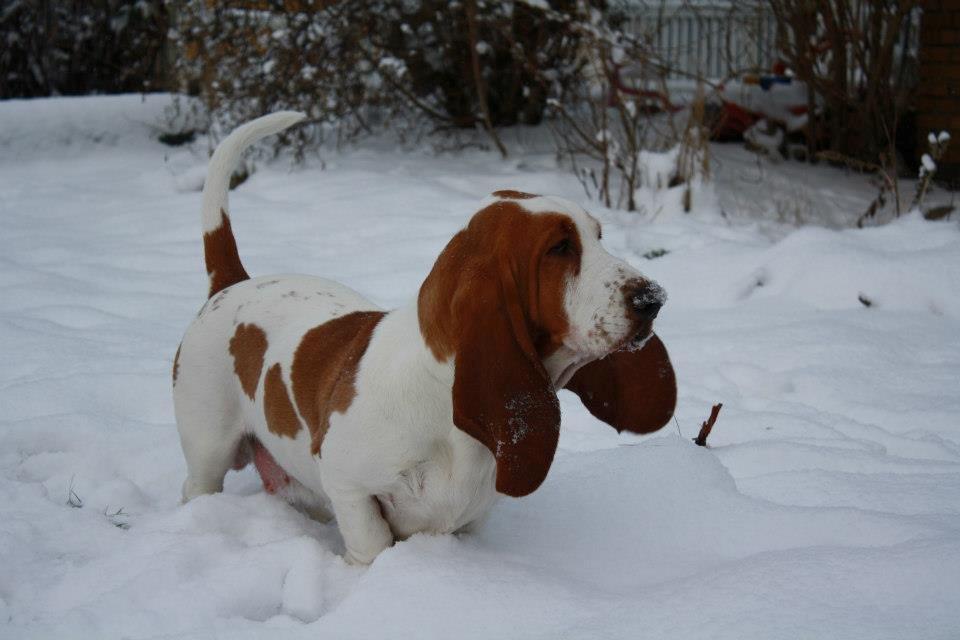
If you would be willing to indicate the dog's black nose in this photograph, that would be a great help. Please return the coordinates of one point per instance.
(646, 300)
(649, 310)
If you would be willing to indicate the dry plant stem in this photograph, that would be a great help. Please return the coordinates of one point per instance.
(471, 9)
(605, 149)
(936, 149)
(628, 120)
(888, 182)
(706, 427)
(693, 143)
(577, 141)
(892, 159)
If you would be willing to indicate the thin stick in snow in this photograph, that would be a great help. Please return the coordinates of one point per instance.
(707, 426)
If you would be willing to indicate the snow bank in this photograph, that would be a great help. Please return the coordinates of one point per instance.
(77, 125)
(827, 506)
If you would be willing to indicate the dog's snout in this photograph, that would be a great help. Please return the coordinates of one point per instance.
(645, 299)
(649, 310)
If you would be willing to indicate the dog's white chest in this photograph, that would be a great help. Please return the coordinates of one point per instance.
(442, 494)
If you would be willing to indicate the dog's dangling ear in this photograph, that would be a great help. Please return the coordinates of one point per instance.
(632, 391)
(502, 395)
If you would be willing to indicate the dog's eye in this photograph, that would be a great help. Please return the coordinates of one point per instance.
(562, 248)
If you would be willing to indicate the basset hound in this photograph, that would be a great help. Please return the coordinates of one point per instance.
(413, 420)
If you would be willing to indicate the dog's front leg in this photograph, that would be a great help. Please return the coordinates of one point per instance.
(365, 532)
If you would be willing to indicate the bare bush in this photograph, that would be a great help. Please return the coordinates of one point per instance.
(618, 138)
(857, 59)
(57, 47)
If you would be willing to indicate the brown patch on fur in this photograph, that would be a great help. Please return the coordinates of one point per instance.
(325, 368)
(632, 391)
(494, 302)
(510, 194)
(222, 258)
(247, 346)
(176, 364)
(277, 408)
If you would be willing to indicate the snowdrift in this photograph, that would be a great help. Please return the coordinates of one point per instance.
(828, 505)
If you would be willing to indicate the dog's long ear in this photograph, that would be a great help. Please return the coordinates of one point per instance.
(502, 395)
(629, 390)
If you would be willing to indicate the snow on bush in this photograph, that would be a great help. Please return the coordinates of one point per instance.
(937, 146)
(359, 67)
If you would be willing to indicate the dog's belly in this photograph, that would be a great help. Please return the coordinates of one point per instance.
(443, 494)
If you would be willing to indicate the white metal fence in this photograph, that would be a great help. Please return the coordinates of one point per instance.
(714, 39)
(705, 40)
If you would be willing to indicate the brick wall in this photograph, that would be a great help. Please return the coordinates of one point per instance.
(938, 95)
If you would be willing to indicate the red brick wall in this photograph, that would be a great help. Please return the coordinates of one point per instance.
(938, 95)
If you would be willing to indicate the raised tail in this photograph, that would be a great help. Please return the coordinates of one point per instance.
(219, 246)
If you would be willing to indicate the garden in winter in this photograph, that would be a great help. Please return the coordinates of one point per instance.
(522, 319)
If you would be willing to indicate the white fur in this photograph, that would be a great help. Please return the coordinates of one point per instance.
(226, 157)
(393, 464)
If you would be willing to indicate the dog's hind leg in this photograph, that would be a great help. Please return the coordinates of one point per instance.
(207, 464)
(211, 435)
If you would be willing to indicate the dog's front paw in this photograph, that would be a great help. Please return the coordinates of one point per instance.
(365, 532)
(362, 558)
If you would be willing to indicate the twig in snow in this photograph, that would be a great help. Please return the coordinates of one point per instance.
(705, 428)
(118, 518)
(72, 498)
(653, 254)
(885, 178)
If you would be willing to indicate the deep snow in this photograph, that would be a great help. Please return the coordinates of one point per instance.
(828, 505)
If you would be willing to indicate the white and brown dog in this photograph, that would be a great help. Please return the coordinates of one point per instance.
(414, 419)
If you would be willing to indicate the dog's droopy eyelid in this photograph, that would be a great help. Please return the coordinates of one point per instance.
(562, 248)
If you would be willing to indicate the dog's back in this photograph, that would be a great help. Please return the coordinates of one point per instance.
(222, 384)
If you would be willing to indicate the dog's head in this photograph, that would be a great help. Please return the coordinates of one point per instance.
(527, 301)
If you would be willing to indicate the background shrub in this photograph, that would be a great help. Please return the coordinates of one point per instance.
(64, 47)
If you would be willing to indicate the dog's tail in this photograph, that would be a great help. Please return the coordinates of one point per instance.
(219, 246)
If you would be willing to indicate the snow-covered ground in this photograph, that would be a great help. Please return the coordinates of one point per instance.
(828, 505)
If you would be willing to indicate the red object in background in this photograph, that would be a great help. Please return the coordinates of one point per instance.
(659, 97)
(732, 121)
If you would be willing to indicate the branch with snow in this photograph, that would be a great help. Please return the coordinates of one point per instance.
(937, 147)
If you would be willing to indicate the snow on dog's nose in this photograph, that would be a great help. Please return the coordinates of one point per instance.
(646, 299)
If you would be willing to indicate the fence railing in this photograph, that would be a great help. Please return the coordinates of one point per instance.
(711, 39)
(700, 40)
